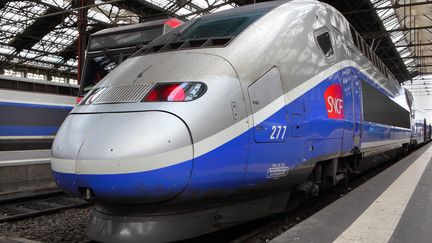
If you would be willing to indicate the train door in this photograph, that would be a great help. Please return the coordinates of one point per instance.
(267, 154)
(268, 108)
(358, 106)
(352, 111)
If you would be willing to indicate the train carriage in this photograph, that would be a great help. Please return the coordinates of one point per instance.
(428, 133)
(31, 111)
(228, 113)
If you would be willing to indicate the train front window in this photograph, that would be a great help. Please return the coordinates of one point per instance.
(96, 68)
(221, 25)
(325, 44)
(125, 39)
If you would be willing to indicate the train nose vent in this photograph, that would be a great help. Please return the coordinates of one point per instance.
(123, 94)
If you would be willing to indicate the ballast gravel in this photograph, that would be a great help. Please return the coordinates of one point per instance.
(64, 226)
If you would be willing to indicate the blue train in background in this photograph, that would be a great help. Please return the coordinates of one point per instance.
(222, 119)
(31, 111)
(421, 129)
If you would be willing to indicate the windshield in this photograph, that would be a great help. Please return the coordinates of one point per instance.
(142, 36)
(221, 26)
(96, 68)
(213, 26)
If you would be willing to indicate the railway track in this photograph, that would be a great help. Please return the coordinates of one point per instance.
(35, 205)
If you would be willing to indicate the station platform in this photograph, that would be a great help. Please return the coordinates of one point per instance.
(25, 171)
(22, 157)
(394, 206)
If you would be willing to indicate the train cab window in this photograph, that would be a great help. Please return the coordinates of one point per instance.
(324, 42)
(221, 25)
(96, 68)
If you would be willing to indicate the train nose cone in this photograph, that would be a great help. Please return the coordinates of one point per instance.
(138, 156)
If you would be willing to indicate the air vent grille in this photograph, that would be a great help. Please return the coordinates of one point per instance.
(123, 94)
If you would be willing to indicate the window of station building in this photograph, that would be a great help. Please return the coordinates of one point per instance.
(36, 76)
(73, 81)
(58, 79)
(379, 108)
(324, 42)
(13, 73)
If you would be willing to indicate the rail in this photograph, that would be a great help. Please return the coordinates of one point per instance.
(37, 205)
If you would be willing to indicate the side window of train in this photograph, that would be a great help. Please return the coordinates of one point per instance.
(323, 40)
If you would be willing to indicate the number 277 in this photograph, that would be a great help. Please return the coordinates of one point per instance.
(276, 132)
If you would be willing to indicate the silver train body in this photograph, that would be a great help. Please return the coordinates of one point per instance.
(195, 134)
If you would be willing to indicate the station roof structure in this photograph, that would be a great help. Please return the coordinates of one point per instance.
(41, 35)
(400, 33)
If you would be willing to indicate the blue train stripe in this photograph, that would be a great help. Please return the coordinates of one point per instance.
(17, 117)
(28, 130)
(35, 105)
(153, 185)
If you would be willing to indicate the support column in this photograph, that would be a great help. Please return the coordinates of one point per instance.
(82, 34)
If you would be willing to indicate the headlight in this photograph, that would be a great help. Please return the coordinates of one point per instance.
(92, 96)
(175, 92)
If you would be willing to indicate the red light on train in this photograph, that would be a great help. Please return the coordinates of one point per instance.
(174, 92)
(167, 92)
(78, 99)
(174, 23)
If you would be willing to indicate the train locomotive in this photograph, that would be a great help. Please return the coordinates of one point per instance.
(220, 120)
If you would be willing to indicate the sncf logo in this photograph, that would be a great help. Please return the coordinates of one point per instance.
(334, 101)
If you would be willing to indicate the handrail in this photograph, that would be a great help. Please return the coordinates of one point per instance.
(371, 55)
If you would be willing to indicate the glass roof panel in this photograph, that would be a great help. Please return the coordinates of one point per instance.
(192, 6)
(98, 16)
(61, 37)
(159, 3)
(202, 3)
(183, 11)
(58, 3)
(108, 13)
(6, 50)
(16, 16)
(391, 22)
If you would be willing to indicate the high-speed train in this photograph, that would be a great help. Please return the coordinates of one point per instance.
(31, 111)
(218, 121)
